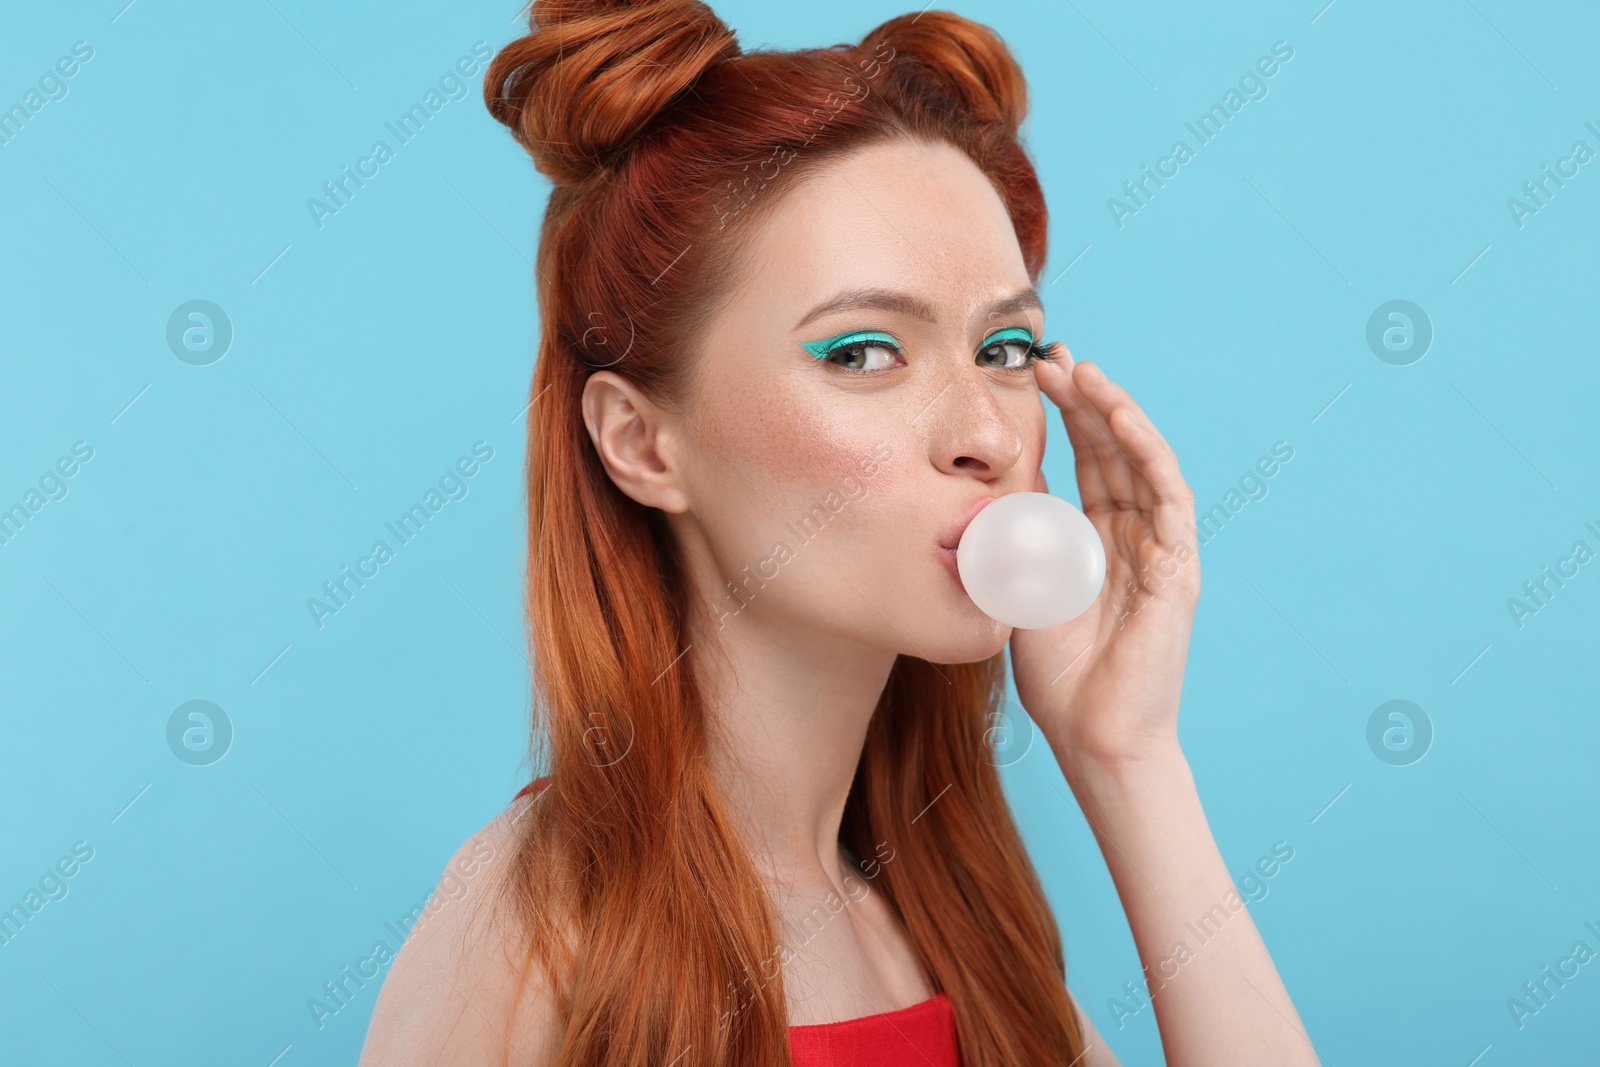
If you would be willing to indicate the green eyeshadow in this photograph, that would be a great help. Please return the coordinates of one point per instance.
(821, 348)
(1013, 333)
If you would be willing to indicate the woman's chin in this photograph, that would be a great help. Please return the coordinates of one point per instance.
(971, 638)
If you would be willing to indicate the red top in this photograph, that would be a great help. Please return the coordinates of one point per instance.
(923, 1035)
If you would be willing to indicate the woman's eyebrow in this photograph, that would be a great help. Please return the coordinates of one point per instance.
(872, 297)
(1022, 300)
(908, 304)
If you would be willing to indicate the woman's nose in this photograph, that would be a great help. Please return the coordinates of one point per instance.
(968, 431)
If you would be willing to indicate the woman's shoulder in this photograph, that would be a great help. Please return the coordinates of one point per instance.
(448, 994)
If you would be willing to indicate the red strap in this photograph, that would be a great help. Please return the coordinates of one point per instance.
(919, 1036)
(537, 783)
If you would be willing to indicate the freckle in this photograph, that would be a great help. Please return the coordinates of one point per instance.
(793, 446)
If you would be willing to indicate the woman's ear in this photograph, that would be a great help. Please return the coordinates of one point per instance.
(636, 440)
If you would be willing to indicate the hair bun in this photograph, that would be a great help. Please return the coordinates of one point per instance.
(591, 74)
(964, 60)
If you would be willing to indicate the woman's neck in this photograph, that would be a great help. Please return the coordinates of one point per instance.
(788, 718)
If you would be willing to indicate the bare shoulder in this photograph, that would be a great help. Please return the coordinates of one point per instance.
(447, 998)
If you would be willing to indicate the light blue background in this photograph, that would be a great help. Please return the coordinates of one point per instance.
(371, 353)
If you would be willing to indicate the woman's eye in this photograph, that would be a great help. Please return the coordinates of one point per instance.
(865, 355)
(1009, 354)
(1010, 349)
(872, 352)
(866, 351)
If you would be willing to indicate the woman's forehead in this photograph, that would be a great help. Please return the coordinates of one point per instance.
(905, 216)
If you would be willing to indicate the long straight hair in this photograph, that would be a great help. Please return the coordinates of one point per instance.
(664, 142)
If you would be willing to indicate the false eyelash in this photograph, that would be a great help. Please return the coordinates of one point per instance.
(1044, 350)
(1037, 350)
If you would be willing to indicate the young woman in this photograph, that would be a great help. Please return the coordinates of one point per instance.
(790, 345)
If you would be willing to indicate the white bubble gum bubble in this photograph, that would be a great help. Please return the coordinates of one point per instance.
(1031, 561)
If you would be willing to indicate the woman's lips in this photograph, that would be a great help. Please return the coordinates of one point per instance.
(952, 536)
(951, 540)
(947, 556)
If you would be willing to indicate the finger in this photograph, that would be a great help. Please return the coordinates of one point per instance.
(1130, 436)
(1110, 460)
(1055, 379)
(1103, 390)
(1106, 394)
(1119, 474)
(1172, 502)
(1093, 388)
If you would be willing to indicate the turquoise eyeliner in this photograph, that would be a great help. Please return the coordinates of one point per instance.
(1013, 333)
(820, 349)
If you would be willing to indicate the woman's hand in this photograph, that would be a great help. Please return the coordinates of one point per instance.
(1104, 690)
(1104, 687)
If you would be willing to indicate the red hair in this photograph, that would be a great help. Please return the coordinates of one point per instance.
(664, 141)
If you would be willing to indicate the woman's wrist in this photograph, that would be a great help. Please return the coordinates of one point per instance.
(1098, 771)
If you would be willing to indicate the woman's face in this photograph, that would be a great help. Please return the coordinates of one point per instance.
(822, 486)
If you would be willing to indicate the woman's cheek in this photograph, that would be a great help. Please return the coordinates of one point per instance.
(1035, 431)
(814, 451)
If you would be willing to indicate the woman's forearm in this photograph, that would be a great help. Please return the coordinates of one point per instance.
(1218, 1000)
